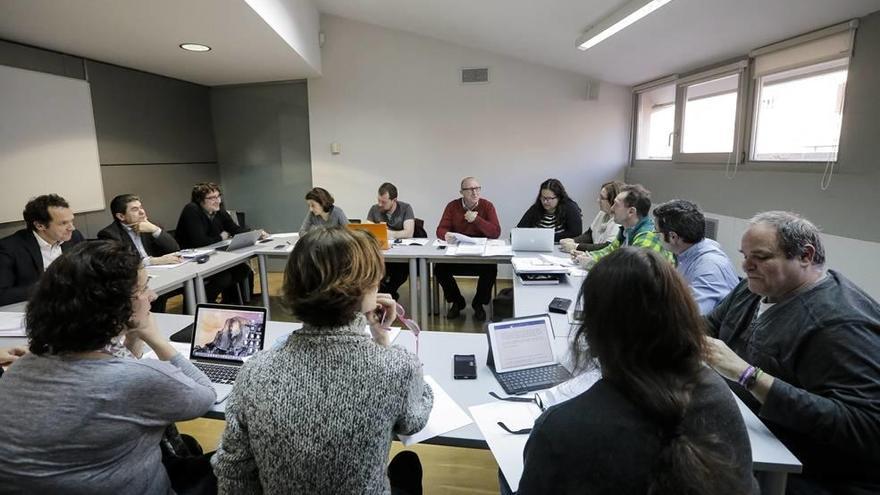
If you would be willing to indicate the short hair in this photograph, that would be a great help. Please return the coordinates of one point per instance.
(682, 217)
(37, 209)
(84, 298)
(119, 204)
(793, 232)
(202, 189)
(637, 196)
(612, 188)
(328, 273)
(321, 196)
(389, 189)
(465, 179)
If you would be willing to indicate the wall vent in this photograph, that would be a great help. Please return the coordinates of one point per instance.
(478, 75)
(712, 228)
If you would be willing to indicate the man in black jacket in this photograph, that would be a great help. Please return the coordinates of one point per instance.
(26, 254)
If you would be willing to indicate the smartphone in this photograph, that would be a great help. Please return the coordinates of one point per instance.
(464, 367)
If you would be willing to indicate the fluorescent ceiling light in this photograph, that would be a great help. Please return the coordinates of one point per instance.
(620, 19)
(195, 47)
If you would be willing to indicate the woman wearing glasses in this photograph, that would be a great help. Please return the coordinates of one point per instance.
(658, 421)
(317, 414)
(553, 209)
(81, 419)
(603, 229)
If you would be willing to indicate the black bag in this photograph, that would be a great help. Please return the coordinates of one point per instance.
(502, 305)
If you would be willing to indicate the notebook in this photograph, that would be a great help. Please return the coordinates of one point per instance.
(521, 354)
(242, 240)
(223, 338)
(523, 239)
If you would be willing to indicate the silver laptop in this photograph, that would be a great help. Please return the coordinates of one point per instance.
(242, 240)
(521, 354)
(523, 239)
(223, 338)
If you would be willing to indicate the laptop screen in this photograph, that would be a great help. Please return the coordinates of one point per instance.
(227, 333)
(522, 343)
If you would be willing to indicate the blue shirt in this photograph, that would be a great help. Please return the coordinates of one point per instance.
(709, 272)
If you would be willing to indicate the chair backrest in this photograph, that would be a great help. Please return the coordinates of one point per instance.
(419, 230)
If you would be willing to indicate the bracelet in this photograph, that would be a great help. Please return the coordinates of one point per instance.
(752, 380)
(747, 374)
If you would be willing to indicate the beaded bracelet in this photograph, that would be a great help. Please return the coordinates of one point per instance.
(747, 374)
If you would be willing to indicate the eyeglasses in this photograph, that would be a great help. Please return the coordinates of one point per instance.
(533, 400)
(471, 189)
(213, 198)
(547, 199)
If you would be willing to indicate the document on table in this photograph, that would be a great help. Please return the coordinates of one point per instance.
(12, 324)
(506, 447)
(194, 253)
(535, 265)
(498, 248)
(465, 239)
(466, 250)
(170, 265)
(446, 415)
(283, 235)
(421, 241)
(557, 260)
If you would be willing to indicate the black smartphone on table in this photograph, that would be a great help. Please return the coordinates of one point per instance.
(464, 367)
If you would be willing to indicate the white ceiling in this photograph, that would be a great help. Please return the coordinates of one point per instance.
(683, 35)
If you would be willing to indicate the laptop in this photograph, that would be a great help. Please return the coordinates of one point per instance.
(223, 338)
(240, 241)
(378, 230)
(523, 239)
(521, 354)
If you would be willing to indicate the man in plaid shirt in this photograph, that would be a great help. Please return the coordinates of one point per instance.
(630, 209)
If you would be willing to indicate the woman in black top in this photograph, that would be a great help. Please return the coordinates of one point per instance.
(659, 421)
(553, 209)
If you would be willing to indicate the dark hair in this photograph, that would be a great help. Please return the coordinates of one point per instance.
(556, 187)
(793, 232)
(389, 189)
(682, 217)
(202, 189)
(84, 298)
(642, 324)
(37, 209)
(328, 273)
(119, 204)
(637, 196)
(322, 197)
(612, 188)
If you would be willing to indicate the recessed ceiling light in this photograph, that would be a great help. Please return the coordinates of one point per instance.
(195, 47)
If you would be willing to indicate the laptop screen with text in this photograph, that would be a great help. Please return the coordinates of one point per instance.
(522, 343)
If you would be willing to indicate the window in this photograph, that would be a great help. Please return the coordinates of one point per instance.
(709, 121)
(655, 117)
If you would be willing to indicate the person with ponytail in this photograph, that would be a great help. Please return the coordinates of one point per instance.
(658, 421)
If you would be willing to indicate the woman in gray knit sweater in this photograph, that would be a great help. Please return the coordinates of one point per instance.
(317, 414)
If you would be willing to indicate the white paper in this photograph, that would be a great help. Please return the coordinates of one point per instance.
(465, 239)
(283, 235)
(506, 447)
(170, 265)
(416, 241)
(180, 347)
(570, 389)
(535, 265)
(466, 250)
(392, 333)
(439, 242)
(194, 253)
(557, 260)
(498, 250)
(12, 324)
(446, 415)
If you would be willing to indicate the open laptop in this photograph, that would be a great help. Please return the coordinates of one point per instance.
(240, 241)
(223, 338)
(523, 239)
(378, 230)
(521, 354)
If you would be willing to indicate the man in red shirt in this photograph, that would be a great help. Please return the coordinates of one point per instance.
(473, 217)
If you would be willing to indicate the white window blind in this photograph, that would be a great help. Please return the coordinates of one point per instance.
(827, 44)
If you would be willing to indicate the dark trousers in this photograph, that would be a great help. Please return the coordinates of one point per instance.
(445, 274)
(226, 283)
(395, 275)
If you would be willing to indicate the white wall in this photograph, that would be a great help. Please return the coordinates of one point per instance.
(297, 22)
(394, 102)
(854, 258)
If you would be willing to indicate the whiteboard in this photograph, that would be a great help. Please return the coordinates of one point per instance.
(47, 142)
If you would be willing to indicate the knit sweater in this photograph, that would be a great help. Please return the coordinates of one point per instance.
(317, 414)
(485, 225)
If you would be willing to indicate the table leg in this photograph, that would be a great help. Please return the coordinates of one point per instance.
(200, 289)
(771, 482)
(189, 296)
(264, 282)
(413, 292)
(423, 289)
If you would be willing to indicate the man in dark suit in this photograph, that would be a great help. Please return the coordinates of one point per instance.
(132, 227)
(26, 254)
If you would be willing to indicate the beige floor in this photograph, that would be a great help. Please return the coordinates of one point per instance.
(447, 470)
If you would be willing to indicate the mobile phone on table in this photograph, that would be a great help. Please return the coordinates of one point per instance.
(464, 367)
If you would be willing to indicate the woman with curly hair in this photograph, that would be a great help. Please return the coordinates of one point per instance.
(85, 420)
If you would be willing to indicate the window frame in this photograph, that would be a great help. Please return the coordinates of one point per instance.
(634, 131)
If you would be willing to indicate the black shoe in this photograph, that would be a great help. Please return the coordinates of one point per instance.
(479, 313)
(455, 310)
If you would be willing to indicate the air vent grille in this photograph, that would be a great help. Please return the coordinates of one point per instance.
(712, 228)
(475, 75)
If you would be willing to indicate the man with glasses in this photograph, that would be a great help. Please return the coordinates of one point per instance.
(630, 209)
(706, 268)
(474, 217)
(401, 225)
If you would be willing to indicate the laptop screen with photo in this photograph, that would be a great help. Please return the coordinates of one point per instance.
(522, 343)
(230, 333)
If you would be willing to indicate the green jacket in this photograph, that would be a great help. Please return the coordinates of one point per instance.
(640, 235)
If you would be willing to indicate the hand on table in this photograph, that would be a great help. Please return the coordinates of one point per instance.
(10, 354)
(567, 245)
(450, 238)
(168, 259)
(583, 260)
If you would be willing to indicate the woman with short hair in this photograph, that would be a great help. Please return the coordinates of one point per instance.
(658, 421)
(317, 414)
(81, 419)
(603, 228)
(553, 209)
(322, 211)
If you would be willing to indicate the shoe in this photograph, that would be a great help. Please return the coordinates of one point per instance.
(479, 313)
(455, 310)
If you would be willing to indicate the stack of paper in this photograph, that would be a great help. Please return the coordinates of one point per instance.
(195, 253)
(12, 325)
(535, 265)
(446, 415)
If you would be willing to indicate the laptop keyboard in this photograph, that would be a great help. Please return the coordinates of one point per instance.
(218, 373)
(533, 378)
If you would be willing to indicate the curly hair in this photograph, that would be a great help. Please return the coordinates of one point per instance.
(37, 209)
(84, 299)
(328, 273)
(202, 189)
(322, 197)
